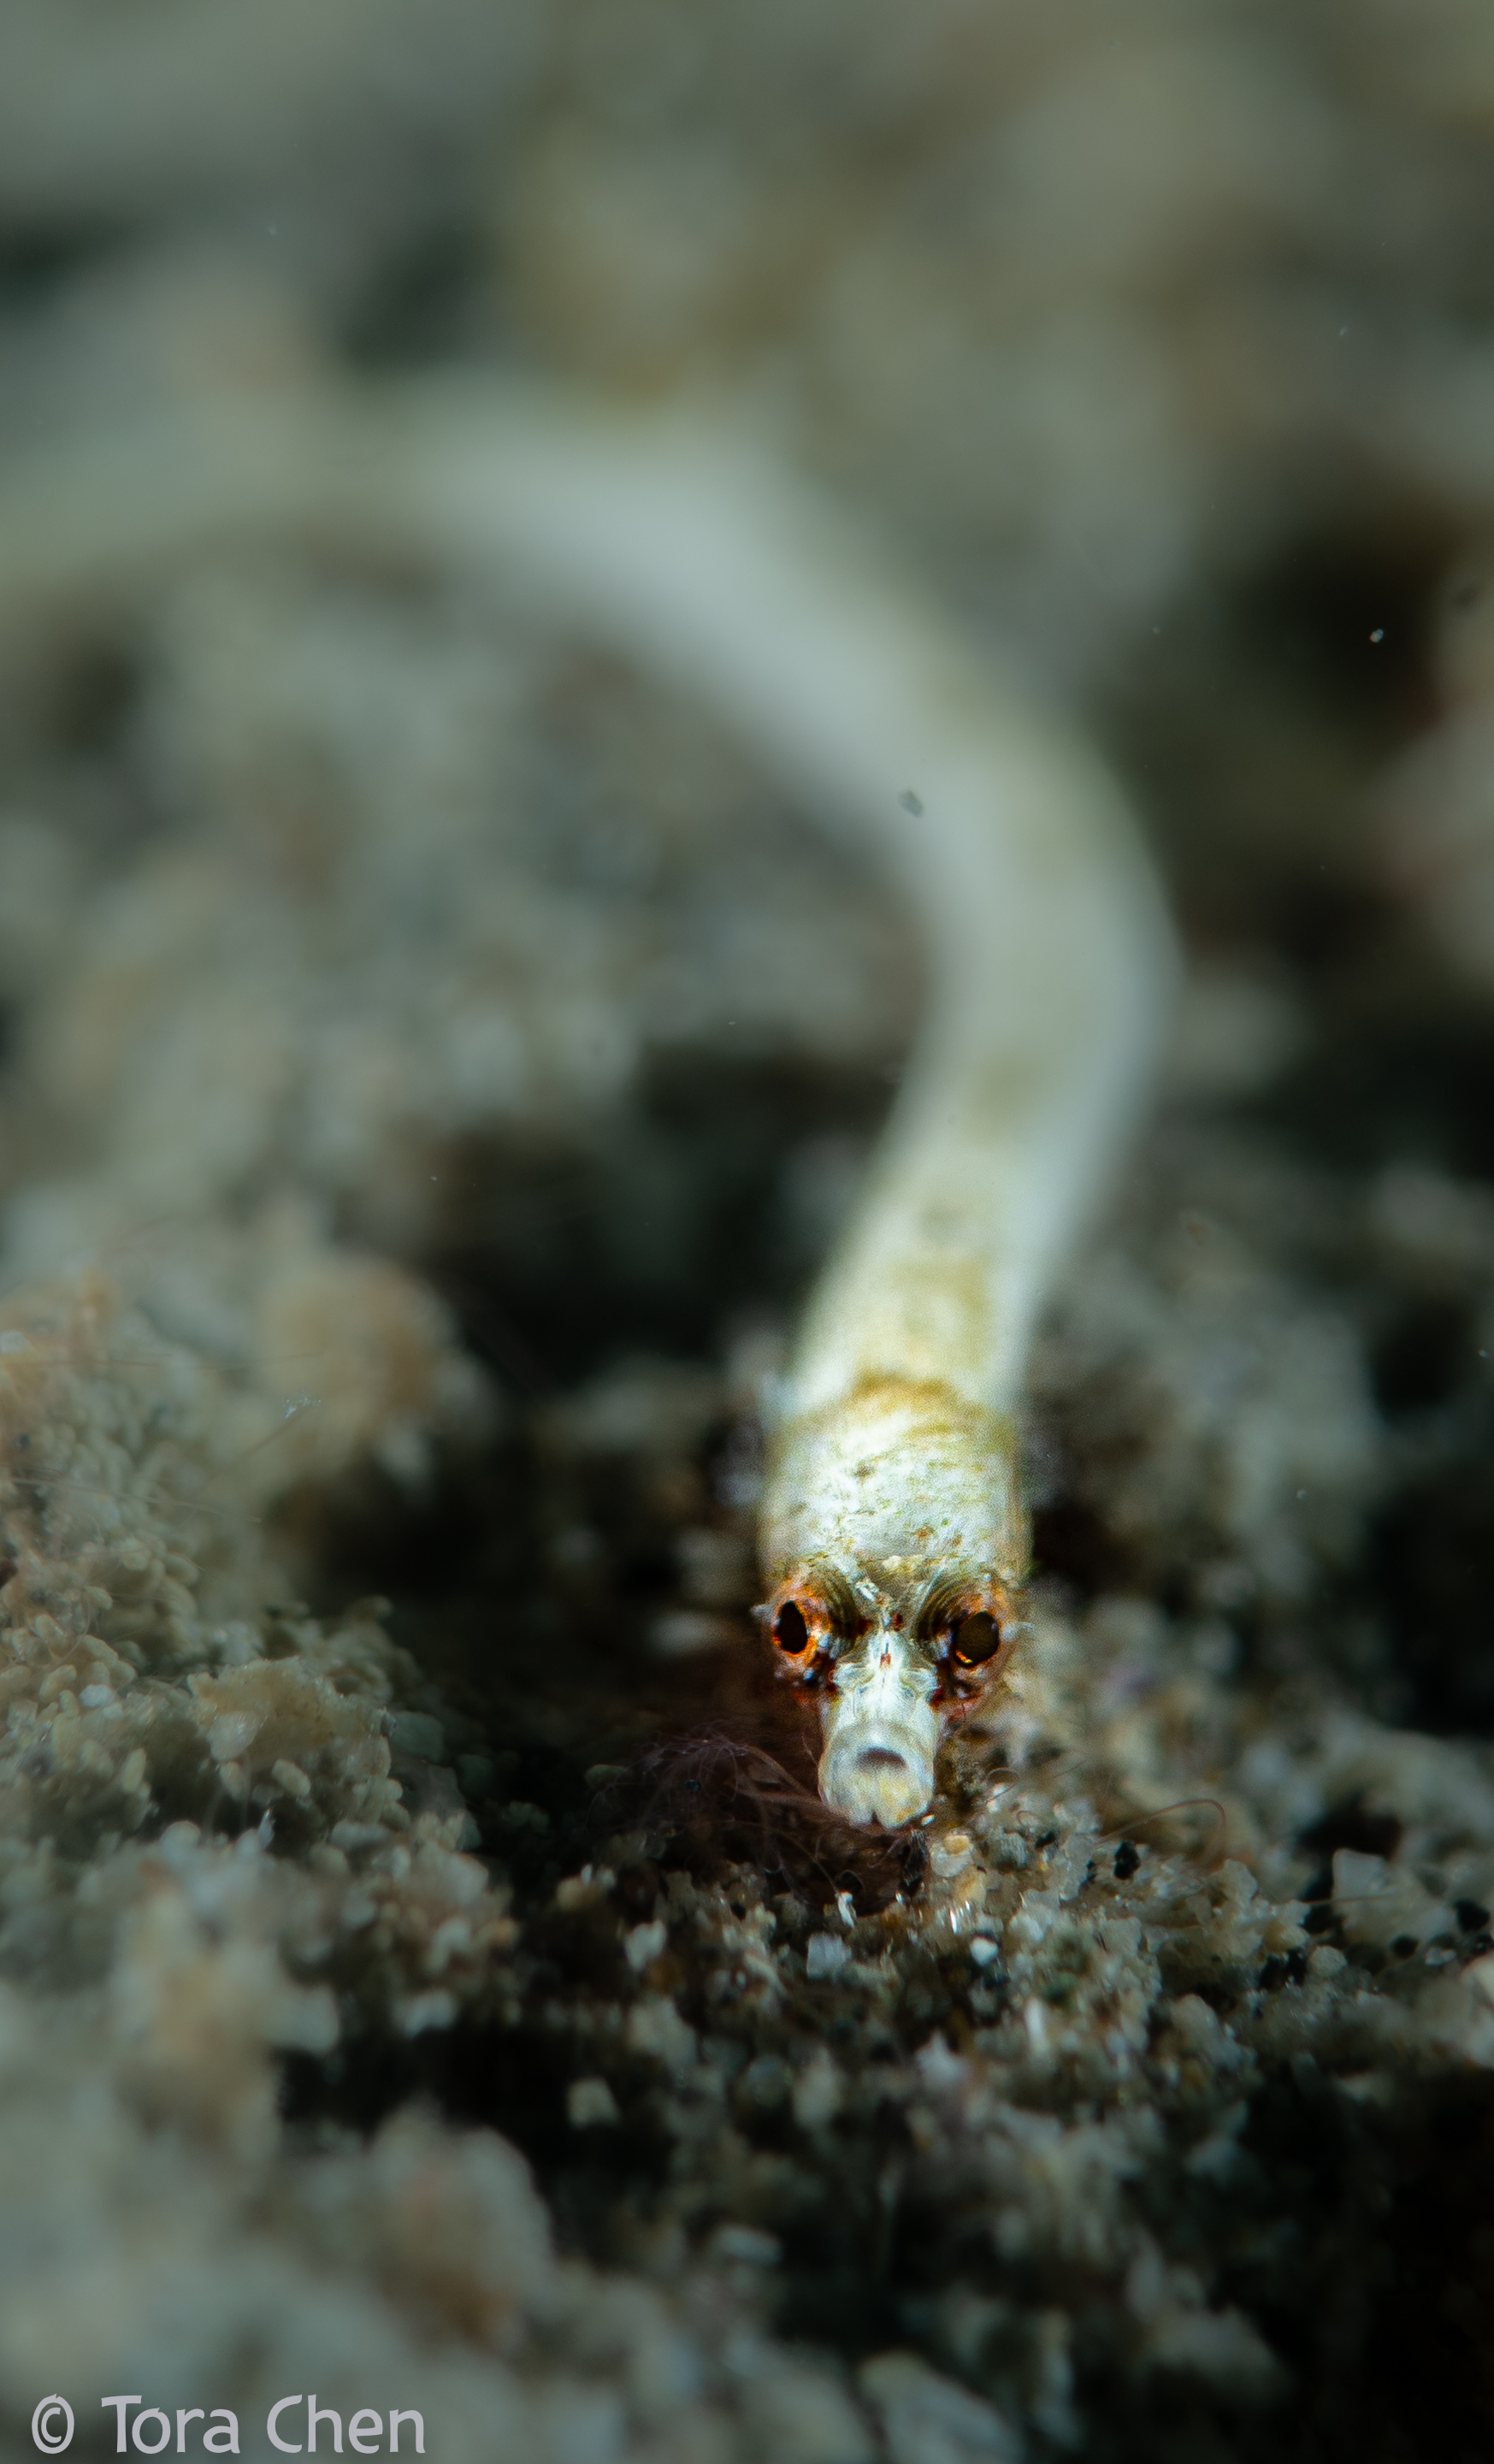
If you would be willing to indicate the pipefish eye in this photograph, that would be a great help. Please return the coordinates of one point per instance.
(974, 1639)
(791, 1630)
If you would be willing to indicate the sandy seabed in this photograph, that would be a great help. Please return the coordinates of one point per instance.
(433, 1063)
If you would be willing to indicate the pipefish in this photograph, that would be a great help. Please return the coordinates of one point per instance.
(893, 1536)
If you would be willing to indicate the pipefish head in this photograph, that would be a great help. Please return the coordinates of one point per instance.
(895, 1534)
(889, 1671)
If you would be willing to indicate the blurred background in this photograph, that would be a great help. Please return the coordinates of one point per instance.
(434, 1062)
(1160, 348)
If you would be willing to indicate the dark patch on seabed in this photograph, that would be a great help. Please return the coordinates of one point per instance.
(667, 1235)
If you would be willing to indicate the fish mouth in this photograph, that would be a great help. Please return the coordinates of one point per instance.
(877, 1773)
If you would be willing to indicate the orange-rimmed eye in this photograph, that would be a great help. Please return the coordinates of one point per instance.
(791, 1630)
(974, 1639)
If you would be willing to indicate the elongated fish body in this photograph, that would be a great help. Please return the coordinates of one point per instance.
(893, 1537)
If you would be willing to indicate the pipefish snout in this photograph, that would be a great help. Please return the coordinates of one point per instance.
(893, 1537)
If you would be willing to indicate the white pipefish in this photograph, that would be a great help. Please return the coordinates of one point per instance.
(893, 1537)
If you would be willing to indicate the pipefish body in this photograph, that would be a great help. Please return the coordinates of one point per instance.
(893, 1538)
